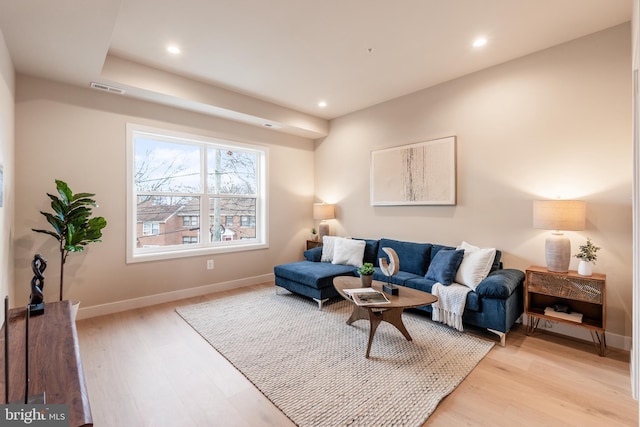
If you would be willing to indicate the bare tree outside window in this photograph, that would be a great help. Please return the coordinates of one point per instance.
(166, 167)
(230, 173)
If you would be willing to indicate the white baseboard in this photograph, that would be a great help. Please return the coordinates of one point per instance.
(130, 304)
(613, 340)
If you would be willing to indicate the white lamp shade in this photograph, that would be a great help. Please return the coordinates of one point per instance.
(324, 211)
(558, 215)
(569, 215)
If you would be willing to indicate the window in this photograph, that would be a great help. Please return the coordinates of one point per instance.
(185, 191)
(150, 228)
(248, 221)
(190, 221)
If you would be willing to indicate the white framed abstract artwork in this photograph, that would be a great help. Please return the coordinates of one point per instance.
(423, 173)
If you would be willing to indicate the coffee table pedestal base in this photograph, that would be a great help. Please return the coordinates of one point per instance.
(376, 316)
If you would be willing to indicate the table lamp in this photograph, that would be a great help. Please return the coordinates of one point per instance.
(323, 212)
(558, 215)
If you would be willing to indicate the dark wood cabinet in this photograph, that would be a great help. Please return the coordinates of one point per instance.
(55, 367)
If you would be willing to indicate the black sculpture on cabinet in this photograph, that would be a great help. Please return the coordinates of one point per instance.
(36, 300)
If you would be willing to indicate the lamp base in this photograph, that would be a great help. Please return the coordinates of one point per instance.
(324, 229)
(557, 250)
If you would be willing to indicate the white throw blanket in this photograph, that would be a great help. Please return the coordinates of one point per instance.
(450, 305)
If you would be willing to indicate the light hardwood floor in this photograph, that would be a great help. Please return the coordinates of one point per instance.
(147, 367)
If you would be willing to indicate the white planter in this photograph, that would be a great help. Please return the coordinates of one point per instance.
(584, 268)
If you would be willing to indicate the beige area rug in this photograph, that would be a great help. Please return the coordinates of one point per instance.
(311, 364)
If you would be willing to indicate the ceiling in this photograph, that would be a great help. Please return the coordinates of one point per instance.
(285, 55)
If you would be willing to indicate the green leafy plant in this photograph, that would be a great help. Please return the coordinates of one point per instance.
(588, 252)
(72, 226)
(366, 269)
(313, 231)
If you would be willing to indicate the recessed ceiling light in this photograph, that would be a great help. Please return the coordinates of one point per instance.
(480, 41)
(173, 49)
(322, 104)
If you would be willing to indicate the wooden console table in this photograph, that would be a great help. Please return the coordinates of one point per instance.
(582, 294)
(54, 361)
(313, 244)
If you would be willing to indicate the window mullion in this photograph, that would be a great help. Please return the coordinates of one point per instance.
(205, 239)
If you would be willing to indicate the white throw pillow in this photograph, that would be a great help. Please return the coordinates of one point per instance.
(475, 265)
(328, 243)
(348, 252)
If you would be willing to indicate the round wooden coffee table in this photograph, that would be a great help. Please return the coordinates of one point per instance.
(376, 313)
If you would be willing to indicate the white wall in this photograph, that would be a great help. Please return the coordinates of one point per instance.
(78, 135)
(554, 123)
(7, 163)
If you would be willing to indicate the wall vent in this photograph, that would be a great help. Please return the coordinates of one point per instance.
(107, 88)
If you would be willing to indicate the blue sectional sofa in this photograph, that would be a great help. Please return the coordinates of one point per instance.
(495, 304)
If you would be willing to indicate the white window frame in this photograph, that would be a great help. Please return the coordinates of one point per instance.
(153, 253)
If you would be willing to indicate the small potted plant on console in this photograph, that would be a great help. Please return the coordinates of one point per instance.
(366, 274)
(587, 255)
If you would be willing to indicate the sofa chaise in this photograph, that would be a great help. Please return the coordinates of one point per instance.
(495, 304)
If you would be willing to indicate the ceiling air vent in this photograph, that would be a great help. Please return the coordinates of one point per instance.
(107, 88)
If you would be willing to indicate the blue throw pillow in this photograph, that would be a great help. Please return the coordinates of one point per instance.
(444, 266)
(314, 254)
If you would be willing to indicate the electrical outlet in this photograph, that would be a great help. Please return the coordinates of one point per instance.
(209, 264)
